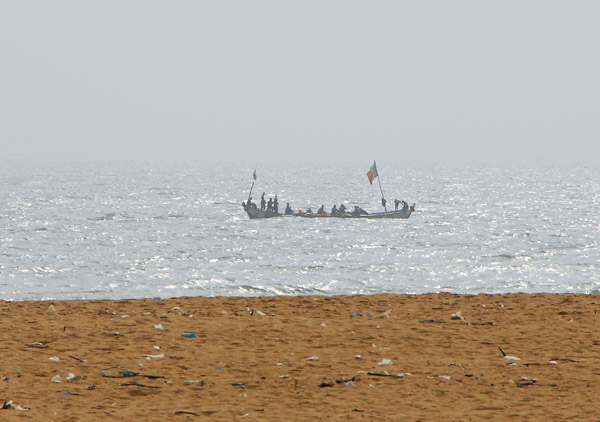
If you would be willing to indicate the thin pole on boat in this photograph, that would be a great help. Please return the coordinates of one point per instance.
(372, 174)
(250, 194)
(252, 187)
(382, 196)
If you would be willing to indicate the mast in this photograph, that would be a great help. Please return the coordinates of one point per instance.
(383, 201)
(252, 187)
(372, 174)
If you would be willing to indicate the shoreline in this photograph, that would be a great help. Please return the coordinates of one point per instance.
(334, 295)
(372, 357)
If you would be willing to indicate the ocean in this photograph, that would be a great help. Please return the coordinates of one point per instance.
(116, 230)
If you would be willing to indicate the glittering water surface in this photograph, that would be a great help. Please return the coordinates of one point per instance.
(145, 229)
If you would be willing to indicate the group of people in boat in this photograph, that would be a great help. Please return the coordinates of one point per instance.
(272, 206)
(335, 211)
(404, 205)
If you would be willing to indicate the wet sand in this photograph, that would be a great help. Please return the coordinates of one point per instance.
(426, 357)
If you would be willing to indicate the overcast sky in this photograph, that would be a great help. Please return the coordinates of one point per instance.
(301, 80)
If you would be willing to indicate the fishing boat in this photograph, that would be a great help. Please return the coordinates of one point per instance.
(257, 213)
(387, 214)
(254, 212)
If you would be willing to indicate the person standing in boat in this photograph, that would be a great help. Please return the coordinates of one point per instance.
(275, 205)
(262, 202)
(396, 203)
(270, 205)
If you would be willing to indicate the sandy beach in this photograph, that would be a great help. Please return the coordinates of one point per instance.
(383, 357)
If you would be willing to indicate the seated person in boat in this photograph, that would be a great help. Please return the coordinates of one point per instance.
(248, 205)
(321, 211)
(334, 210)
(342, 209)
(288, 209)
(309, 211)
(359, 211)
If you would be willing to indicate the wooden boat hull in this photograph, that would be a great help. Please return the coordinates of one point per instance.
(373, 216)
(255, 213)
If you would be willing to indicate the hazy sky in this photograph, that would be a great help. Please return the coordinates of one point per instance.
(301, 80)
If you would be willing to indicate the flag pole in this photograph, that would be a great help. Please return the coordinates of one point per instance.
(252, 187)
(380, 188)
(250, 194)
(372, 174)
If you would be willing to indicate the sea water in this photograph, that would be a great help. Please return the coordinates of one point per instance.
(95, 230)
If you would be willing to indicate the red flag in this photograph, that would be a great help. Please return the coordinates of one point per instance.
(372, 173)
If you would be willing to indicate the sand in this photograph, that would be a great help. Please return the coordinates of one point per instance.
(426, 357)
